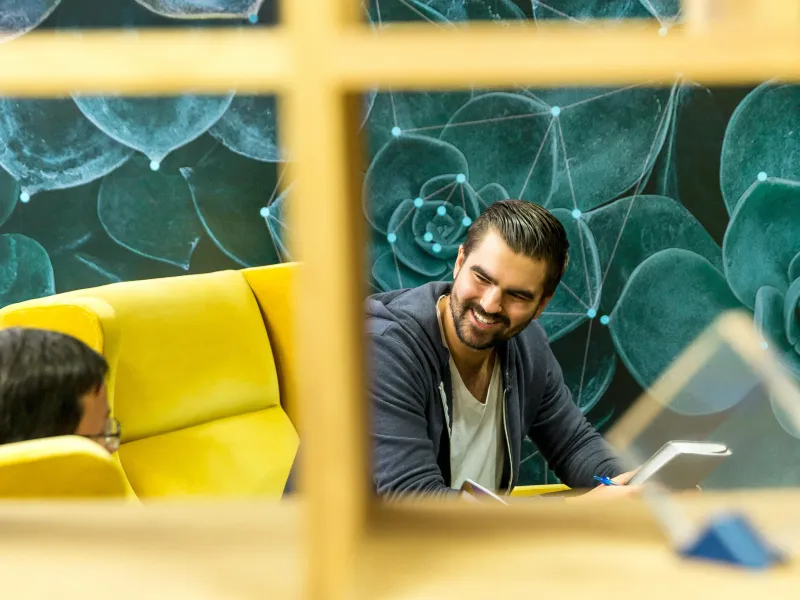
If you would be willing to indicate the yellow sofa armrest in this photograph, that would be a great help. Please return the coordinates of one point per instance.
(527, 491)
(59, 467)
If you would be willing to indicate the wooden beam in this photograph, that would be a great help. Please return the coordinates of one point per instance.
(326, 215)
(145, 62)
(419, 56)
(701, 16)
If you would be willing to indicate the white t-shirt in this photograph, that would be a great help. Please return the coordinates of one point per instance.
(476, 439)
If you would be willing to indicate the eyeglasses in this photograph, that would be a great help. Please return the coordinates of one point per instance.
(109, 439)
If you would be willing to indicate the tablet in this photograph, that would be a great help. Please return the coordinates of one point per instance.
(681, 465)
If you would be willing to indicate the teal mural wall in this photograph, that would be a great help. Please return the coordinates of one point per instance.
(680, 201)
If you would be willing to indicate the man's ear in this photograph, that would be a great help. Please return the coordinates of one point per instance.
(543, 305)
(459, 261)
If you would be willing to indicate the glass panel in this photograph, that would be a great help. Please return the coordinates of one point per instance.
(724, 417)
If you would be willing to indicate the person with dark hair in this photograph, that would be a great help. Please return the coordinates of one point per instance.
(52, 384)
(461, 372)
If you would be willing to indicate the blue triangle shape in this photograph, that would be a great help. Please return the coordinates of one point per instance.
(731, 538)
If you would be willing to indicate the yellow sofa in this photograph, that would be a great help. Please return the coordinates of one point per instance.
(200, 379)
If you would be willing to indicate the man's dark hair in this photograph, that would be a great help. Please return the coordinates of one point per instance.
(527, 229)
(43, 375)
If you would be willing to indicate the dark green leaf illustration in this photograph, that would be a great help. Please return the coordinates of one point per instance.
(399, 171)
(577, 295)
(588, 359)
(629, 230)
(150, 213)
(25, 269)
(477, 10)
(17, 17)
(519, 132)
(9, 194)
(60, 220)
(677, 294)
(762, 140)
(154, 126)
(192, 9)
(49, 145)
(607, 144)
(250, 127)
(234, 197)
(763, 238)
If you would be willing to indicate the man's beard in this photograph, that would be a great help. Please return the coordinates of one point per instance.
(472, 337)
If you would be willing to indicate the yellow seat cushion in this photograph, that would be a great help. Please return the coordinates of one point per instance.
(245, 455)
(59, 467)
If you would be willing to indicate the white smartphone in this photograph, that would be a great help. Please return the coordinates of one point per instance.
(478, 491)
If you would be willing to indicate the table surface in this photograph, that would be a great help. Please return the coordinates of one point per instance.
(241, 550)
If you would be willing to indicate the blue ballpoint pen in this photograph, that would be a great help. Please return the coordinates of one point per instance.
(605, 480)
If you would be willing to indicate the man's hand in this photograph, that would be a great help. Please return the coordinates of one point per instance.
(607, 492)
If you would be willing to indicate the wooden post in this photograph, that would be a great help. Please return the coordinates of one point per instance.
(322, 134)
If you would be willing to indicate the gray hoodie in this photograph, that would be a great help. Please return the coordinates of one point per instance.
(412, 404)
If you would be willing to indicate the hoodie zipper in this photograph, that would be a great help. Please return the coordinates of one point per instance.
(446, 411)
(508, 445)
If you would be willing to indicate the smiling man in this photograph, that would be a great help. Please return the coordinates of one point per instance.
(461, 372)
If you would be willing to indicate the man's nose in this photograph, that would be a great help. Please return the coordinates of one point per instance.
(491, 301)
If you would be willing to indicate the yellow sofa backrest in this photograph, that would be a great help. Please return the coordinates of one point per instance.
(274, 288)
(192, 379)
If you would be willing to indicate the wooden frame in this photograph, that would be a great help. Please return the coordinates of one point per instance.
(318, 60)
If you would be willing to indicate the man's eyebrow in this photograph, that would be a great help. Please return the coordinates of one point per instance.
(527, 294)
(482, 273)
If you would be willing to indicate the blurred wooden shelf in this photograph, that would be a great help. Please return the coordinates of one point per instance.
(232, 550)
(570, 550)
(244, 550)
